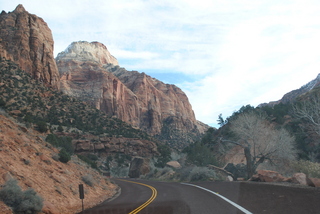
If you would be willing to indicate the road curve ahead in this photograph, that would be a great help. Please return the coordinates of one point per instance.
(177, 198)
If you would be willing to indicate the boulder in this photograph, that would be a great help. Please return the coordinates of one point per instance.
(174, 164)
(229, 178)
(139, 166)
(268, 176)
(299, 178)
(315, 181)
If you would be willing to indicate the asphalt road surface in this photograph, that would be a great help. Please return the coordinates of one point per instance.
(177, 198)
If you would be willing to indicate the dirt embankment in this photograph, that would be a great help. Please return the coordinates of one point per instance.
(26, 157)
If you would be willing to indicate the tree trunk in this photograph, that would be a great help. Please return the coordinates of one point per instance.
(250, 167)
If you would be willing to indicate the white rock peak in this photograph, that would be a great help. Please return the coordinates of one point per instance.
(85, 51)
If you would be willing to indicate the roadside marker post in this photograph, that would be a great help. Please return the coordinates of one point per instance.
(81, 194)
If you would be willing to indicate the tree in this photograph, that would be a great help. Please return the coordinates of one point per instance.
(165, 156)
(261, 141)
(309, 110)
(221, 121)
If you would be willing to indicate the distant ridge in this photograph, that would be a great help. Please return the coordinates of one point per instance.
(294, 94)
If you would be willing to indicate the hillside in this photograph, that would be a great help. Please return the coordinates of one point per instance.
(25, 156)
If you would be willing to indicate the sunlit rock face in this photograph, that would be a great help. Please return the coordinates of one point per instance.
(85, 51)
(27, 40)
(88, 71)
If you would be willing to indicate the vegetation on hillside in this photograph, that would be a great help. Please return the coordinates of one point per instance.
(42, 107)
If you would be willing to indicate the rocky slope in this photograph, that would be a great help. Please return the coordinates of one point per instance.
(27, 40)
(89, 72)
(292, 95)
(25, 156)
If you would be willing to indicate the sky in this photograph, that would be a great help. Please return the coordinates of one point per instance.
(222, 53)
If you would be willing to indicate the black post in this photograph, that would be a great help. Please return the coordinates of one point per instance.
(81, 194)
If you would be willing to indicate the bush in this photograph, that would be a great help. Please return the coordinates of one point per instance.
(64, 156)
(90, 159)
(88, 179)
(20, 201)
(309, 168)
(119, 172)
(165, 156)
(63, 142)
(197, 174)
(199, 154)
(42, 126)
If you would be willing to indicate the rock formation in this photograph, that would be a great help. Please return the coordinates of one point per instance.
(27, 40)
(139, 166)
(109, 145)
(88, 71)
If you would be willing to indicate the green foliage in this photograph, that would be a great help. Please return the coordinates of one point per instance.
(208, 136)
(60, 129)
(277, 112)
(311, 169)
(165, 156)
(242, 110)
(90, 159)
(20, 201)
(63, 142)
(2, 102)
(221, 121)
(200, 154)
(56, 108)
(42, 126)
(64, 156)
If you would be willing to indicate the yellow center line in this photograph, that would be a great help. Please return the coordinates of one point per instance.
(145, 204)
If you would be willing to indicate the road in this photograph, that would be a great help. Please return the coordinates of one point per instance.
(177, 198)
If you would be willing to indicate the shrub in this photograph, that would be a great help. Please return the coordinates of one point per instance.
(20, 201)
(89, 161)
(119, 172)
(64, 156)
(88, 179)
(165, 156)
(63, 142)
(197, 174)
(42, 126)
(2, 102)
(309, 168)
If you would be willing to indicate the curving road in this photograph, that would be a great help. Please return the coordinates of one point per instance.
(177, 198)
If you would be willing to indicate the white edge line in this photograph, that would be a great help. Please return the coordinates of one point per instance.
(224, 198)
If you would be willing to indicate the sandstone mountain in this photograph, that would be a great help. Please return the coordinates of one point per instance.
(27, 40)
(89, 72)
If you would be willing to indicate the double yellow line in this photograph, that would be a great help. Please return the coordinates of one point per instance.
(153, 196)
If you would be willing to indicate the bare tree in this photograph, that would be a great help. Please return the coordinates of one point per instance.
(261, 141)
(310, 111)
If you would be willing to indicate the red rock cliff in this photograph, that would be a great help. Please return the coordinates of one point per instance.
(27, 40)
(160, 109)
